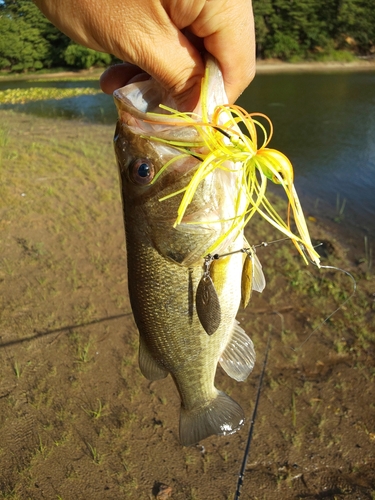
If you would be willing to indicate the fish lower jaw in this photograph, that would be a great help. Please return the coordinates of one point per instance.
(222, 416)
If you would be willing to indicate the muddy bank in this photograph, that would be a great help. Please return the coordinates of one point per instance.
(77, 419)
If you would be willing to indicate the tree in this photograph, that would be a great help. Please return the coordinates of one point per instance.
(356, 24)
(29, 41)
(21, 46)
(290, 29)
(82, 57)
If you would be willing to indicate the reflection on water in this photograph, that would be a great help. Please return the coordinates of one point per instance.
(96, 108)
(324, 122)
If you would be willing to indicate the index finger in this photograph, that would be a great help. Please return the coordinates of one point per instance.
(227, 28)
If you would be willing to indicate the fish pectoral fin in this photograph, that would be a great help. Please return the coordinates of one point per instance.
(147, 364)
(221, 416)
(238, 357)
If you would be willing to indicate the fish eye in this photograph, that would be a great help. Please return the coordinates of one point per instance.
(142, 171)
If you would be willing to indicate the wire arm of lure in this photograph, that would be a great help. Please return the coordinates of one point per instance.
(248, 250)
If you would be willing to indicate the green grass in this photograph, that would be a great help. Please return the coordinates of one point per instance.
(17, 369)
(96, 412)
(96, 457)
(330, 55)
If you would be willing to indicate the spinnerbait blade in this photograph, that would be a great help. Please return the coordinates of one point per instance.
(207, 301)
(247, 280)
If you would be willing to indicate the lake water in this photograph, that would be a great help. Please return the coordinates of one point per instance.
(324, 122)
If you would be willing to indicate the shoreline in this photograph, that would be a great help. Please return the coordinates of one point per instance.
(275, 66)
(262, 66)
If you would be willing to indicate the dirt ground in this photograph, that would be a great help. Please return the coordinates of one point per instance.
(77, 419)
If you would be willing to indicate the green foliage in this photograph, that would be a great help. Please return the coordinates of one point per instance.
(356, 21)
(28, 41)
(21, 46)
(287, 29)
(82, 57)
(314, 29)
(284, 46)
(26, 37)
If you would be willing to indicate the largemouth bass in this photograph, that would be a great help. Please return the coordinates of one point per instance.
(185, 302)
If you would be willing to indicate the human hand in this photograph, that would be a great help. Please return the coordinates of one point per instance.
(164, 39)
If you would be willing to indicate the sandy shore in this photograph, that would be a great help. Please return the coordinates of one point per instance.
(275, 66)
(269, 66)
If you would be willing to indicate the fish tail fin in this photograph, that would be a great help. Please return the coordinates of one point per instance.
(221, 416)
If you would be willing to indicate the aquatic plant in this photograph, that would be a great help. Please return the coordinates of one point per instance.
(21, 96)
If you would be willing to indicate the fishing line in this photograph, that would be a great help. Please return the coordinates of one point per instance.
(338, 308)
(241, 475)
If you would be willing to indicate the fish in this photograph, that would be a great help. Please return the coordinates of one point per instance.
(189, 266)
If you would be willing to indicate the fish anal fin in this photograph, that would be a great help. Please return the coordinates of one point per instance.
(147, 364)
(238, 357)
(221, 416)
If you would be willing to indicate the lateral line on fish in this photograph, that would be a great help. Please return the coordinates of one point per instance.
(241, 474)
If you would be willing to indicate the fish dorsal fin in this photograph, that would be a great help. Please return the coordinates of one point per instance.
(148, 366)
(238, 357)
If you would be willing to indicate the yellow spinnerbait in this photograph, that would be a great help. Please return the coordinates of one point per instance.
(221, 141)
